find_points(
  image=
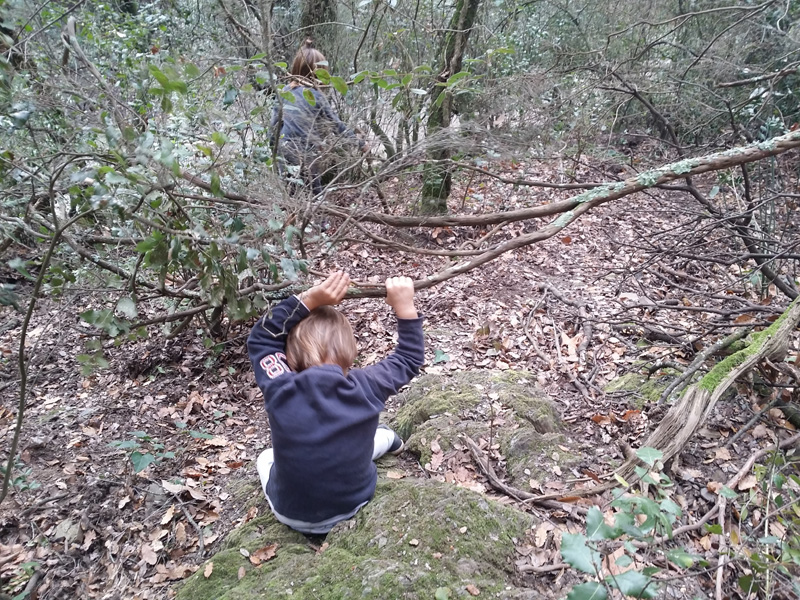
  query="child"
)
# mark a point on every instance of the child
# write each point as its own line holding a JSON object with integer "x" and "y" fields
{"x": 323, "y": 415}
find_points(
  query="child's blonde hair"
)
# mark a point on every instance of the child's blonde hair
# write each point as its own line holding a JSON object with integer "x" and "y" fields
{"x": 323, "y": 337}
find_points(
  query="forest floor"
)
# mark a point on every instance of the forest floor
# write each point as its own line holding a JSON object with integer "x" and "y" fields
{"x": 81, "y": 524}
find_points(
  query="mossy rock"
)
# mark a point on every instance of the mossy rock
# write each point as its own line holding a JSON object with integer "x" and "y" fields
{"x": 414, "y": 537}
{"x": 645, "y": 389}
{"x": 504, "y": 407}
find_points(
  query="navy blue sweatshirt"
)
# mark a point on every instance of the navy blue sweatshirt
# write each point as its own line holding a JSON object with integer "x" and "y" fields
{"x": 306, "y": 126}
{"x": 322, "y": 421}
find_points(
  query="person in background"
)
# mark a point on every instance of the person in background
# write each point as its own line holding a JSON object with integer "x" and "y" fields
{"x": 307, "y": 132}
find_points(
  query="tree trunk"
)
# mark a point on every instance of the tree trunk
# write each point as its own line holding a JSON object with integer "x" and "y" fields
{"x": 437, "y": 177}
{"x": 317, "y": 21}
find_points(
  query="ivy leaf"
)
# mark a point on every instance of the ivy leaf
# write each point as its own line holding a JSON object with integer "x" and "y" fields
{"x": 440, "y": 356}
{"x": 19, "y": 264}
{"x": 230, "y": 96}
{"x": 442, "y": 593}
{"x": 715, "y": 528}
{"x": 633, "y": 583}
{"x": 649, "y": 455}
{"x": 141, "y": 461}
{"x": 588, "y": 591}
{"x": 578, "y": 555}
{"x": 309, "y": 96}
{"x": 597, "y": 528}
{"x": 127, "y": 306}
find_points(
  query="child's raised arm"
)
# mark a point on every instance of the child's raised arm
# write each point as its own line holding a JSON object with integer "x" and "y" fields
{"x": 396, "y": 370}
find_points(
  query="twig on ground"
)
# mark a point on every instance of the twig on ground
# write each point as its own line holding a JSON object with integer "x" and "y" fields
{"x": 200, "y": 543}
{"x": 544, "y": 568}
{"x": 746, "y": 427}
{"x": 521, "y": 495}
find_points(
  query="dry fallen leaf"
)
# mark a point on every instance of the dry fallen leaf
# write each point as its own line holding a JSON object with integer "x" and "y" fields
{"x": 472, "y": 590}
{"x": 217, "y": 441}
{"x": 148, "y": 554}
{"x": 394, "y": 474}
{"x": 747, "y": 482}
{"x": 714, "y": 487}
{"x": 722, "y": 454}
{"x": 414, "y": 542}
{"x": 241, "y": 572}
{"x": 88, "y": 538}
{"x": 263, "y": 554}
{"x": 208, "y": 570}
{"x": 180, "y": 533}
{"x": 168, "y": 515}
{"x": 540, "y": 537}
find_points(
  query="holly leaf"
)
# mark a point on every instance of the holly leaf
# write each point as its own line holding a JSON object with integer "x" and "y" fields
{"x": 578, "y": 555}
{"x": 127, "y": 307}
{"x": 633, "y": 583}
{"x": 588, "y": 591}
{"x": 597, "y": 528}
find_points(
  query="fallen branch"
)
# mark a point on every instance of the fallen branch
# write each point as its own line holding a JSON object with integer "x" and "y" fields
{"x": 521, "y": 495}
{"x": 678, "y": 383}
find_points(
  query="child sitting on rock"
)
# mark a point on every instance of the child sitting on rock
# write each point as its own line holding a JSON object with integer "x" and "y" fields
{"x": 323, "y": 414}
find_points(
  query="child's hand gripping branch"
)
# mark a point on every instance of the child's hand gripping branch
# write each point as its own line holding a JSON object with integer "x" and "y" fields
{"x": 400, "y": 296}
{"x": 328, "y": 293}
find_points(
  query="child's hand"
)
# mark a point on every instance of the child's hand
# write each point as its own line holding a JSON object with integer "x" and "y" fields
{"x": 400, "y": 296}
{"x": 329, "y": 292}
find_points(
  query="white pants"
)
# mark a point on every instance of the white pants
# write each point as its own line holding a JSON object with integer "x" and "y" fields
{"x": 384, "y": 438}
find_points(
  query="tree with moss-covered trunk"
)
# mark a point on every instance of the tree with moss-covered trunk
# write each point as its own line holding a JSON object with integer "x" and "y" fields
{"x": 437, "y": 176}
{"x": 318, "y": 22}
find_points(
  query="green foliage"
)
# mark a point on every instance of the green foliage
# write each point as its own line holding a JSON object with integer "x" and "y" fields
{"x": 143, "y": 450}
{"x": 21, "y": 477}
{"x": 636, "y": 517}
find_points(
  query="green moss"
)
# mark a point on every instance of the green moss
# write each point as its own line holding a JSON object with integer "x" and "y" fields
{"x": 433, "y": 395}
{"x": 414, "y": 537}
{"x": 757, "y": 340}
{"x": 526, "y": 449}
{"x": 261, "y": 531}
{"x": 648, "y": 389}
